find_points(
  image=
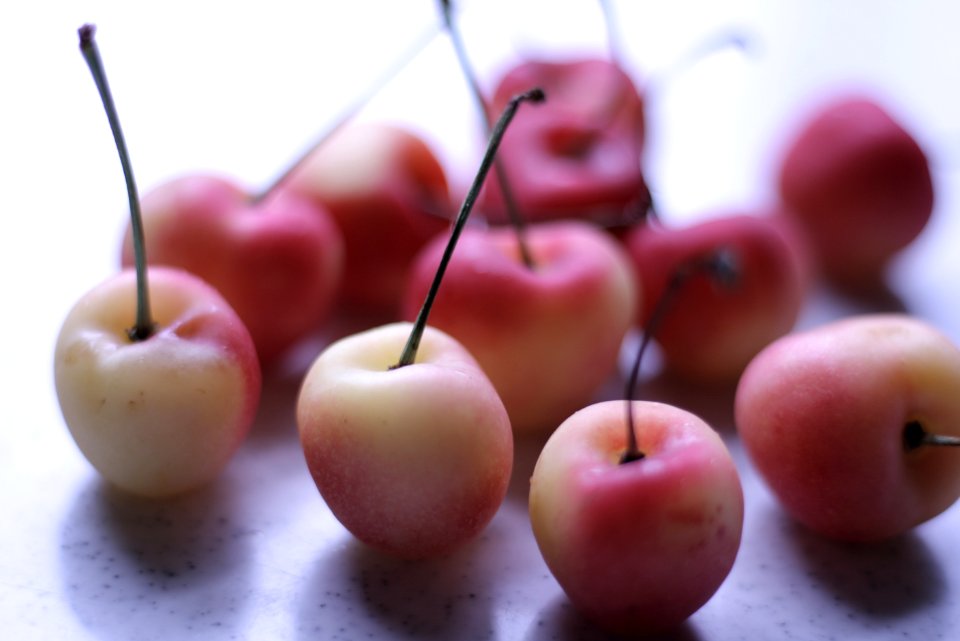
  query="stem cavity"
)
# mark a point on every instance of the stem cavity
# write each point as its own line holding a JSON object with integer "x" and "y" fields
{"x": 722, "y": 267}
{"x": 144, "y": 325}
{"x": 413, "y": 342}
{"x": 915, "y": 437}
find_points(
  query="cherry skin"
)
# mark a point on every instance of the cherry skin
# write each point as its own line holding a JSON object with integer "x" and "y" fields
{"x": 834, "y": 419}
{"x": 413, "y": 461}
{"x": 531, "y": 328}
{"x": 639, "y": 546}
{"x": 637, "y": 507}
{"x": 278, "y": 261}
{"x": 388, "y": 193}
{"x": 713, "y": 332}
{"x": 164, "y": 415}
{"x": 404, "y": 435}
{"x": 859, "y": 186}
{"x": 156, "y": 375}
{"x": 579, "y": 155}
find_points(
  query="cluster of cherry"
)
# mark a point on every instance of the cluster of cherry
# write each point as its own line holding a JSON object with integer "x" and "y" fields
{"x": 408, "y": 428}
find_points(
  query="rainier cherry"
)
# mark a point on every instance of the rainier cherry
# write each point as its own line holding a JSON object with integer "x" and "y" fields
{"x": 388, "y": 193}
{"x": 713, "y": 333}
{"x": 580, "y": 155}
{"x": 847, "y": 424}
{"x": 404, "y": 435}
{"x": 533, "y": 305}
{"x": 278, "y": 259}
{"x": 859, "y": 186}
{"x": 158, "y": 381}
{"x": 548, "y": 336}
{"x": 639, "y": 520}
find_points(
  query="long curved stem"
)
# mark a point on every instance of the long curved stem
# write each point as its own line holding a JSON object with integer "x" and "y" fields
{"x": 144, "y": 325}
{"x": 739, "y": 40}
{"x": 721, "y": 266}
{"x": 613, "y": 34}
{"x": 409, "y": 354}
{"x": 503, "y": 180}
{"x": 643, "y": 207}
{"x": 399, "y": 64}
{"x": 615, "y": 52}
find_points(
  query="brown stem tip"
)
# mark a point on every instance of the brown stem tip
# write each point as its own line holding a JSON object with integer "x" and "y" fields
{"x": 86, "y": 34}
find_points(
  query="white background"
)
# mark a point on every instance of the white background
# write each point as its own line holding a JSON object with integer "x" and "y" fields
{"x": 241, "y": 88}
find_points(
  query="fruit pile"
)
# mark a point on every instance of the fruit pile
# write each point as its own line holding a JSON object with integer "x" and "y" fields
{"x": 472, "y": 328}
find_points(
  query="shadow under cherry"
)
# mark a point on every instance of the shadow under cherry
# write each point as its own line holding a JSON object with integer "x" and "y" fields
{"x": 560, "y": 621}
{"x": 356, "y": 592}
{"x": 145, "y": 569}
{"x": 882, "y": 581}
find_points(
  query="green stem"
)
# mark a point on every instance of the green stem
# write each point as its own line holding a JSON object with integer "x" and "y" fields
{"x": 398, "y": 65}
{"x": 642, "y": 209}
{"x": 506, "y": 188}
{"x": 409, "y": 354}
{"x": 721, "y": 266}
{"x": 613, "y": 35}
{"x": 144, "y": 326}
{"x": 729, "y": 38}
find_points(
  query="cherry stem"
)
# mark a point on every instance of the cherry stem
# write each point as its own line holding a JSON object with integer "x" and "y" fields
{"x": 509, "y": 197}
{"x": 347, "y": 114}
{"x": 915, "y": 436}
{"x": 144, "y": 326}
{"x": 409, "y": 354}
{"x": 730, "y": 38}
{"x": 722, "y": 267}
{"x": 613, "y": 36}
{"x": 641, "y": 208}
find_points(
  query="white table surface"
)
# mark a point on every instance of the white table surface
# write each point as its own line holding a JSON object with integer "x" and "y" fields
{"x": 240, "y": 90}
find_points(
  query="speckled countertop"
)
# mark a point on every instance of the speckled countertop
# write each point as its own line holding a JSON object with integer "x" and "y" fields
{"x": 257, "y": 555}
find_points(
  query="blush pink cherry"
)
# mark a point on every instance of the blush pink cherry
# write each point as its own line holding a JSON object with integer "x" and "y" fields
{"x": 162, "y": 415}
{"x": 414, "y": 460}
{"x": 404, "y": 435}
{"x": 388, "y": 194}
{"x": 838, "y": 420}
{"x": 156, "y": 375}
{"x": 530, "y": 304}
{"x": 548, "y": 336}
{"x": 712, "y": 333}
{"x": 578, "y": 156}
{"x": 859, "y": 185}
{"x": 637, "y": 546}
{"x": 637, "y": 506}
{"x": 585, "y": 87}
{"x": 278, "y": 261}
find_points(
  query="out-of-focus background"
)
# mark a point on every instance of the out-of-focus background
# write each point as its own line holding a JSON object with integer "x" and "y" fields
{"x": 242, "y": 89}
